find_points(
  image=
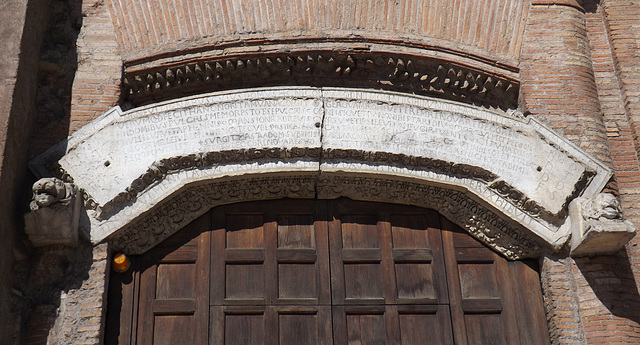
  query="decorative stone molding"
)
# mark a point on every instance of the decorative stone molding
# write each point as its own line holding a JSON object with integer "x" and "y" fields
{"x": 506, "y": 237}
{"x": 55, "y": 213}
{"x": 400, "y": 72}
{"x": 159, "y": 170}
{"x": 193, "y": 201}
{"x": 508, "y": 165}
{"x": 597, "y": 226}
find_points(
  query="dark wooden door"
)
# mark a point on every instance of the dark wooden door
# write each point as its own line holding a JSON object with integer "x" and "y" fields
{"x": 388, "y": 275}
{"x": 270, "y": 275}
{"x": 318, "y": 272}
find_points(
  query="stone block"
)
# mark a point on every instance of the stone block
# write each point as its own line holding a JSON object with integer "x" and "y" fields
{"x": 55, "y": 214}
{"x": 597, "y": 227}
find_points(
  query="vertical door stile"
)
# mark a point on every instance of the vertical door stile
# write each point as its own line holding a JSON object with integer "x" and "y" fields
{"x": 455, "y": 297}
{"x": 438, "y": 264}
{"x": 389, "y": 276}
{"x": 216, "y": 284}
{"x": 509, "y": 315}
{"x": 203, "y": 269}
{"x": 321, "y": 226}
{"x": 339, "y": 322}
{"x": 270, "y": 245}
{"x": 145, "y": 314}
{"x": 137, "y": 276}
{"x": 321, "y": 229}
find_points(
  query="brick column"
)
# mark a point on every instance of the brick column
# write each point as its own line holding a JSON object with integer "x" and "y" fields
{"x": 559, "y": 87}
{"x": 621, "y": 25}
{"x": 558, "y": 84}
{"x": 560, "y": 301}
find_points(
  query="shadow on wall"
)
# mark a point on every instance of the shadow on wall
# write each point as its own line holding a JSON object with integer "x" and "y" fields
{"x": 612, "y": 281}
{"x": 56, "y": 71}
{"x": 590, "y": 6}
{"x": 47, "y": 272}
{"x": 55, "y": 270}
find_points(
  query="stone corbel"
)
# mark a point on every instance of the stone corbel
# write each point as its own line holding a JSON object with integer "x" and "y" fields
{"x": 55, "y": 213}
{"x": 597, "y": 226}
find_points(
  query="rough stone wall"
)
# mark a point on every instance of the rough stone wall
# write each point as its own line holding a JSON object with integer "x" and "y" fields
{"x": 21, "y": 30}
{"x": 95, "y": 66}
{"x": 82, "y": 303}
{"x": 66, "y": 294}
{"x": 80, "y": 71}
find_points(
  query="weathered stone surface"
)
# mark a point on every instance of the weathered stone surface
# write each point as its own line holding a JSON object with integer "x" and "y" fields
{"x": 510, "y": 164}
{"x": 522, "y": 153}
{"x": 55, "y": 213}
{"x": 597, "y": 226}
{"x": 137, "y": 139}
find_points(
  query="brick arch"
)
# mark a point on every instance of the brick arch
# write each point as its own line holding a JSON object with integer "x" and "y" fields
{"x": 491, "y": 27}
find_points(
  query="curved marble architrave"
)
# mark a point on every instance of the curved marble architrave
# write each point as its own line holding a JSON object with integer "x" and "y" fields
{"x": 296, "y": 142}
{"x": 480, "y": 220}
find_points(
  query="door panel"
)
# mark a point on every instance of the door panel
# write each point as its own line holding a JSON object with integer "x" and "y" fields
{"x": 274, "y": 261}
{"x": 388, "y": 256}
{"x": 481, "y": 290}
{"x": 325, "y": 272}
{"x": 173, "y": 289}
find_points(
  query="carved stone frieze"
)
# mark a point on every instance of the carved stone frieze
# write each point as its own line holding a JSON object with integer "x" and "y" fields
{"x": 400, "y": 72}
{"x": 159, "y": 170}
{"x": 504, "y": 236}
{"x": 408, "y": 161}
{"x": 506, "y": 163}
{"x": 173, "y": 214}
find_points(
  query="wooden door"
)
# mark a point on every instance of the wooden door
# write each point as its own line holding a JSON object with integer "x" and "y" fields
{"x": 270, "y": 269}
{"x": 324, "y": 272}
{"x": 389, "y": 284}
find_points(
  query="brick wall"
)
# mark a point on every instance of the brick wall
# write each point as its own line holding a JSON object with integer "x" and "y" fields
{"x": 558, "y": 84}
{"x": 63, "y": 297}
{"x": 95, "y": 68}
{"x": 568, "y": 80}
{"x": 82, "y": 304}
{"x": 622, "y": 25}
{"x": 492, "y": 27}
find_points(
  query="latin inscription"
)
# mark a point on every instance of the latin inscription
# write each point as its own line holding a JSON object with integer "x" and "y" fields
{"x": 517, "y": 155}
{"x": 124, "y": 146}
{"x": 222, "y": 126}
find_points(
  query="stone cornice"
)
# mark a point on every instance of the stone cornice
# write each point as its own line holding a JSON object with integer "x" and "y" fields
{"x": 391, "y": 71}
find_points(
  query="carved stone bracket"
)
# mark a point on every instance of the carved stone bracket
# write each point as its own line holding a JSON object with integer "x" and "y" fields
{"x": 597, "y": 226}
{"x": 55, "y": 213}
